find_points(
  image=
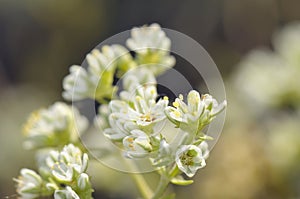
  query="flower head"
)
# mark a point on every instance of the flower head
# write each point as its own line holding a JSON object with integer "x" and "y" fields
{"x": 198, "y": 112}
{"x": 67, "y": 164}
{"x": 55, "y": 126}
{"x": 152, "y": 47}
{"x": 29, "y": 184}
{"x": 96, "y": 81}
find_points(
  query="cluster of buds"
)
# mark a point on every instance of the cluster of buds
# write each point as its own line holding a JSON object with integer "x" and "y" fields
{"x": 61, "y": 174}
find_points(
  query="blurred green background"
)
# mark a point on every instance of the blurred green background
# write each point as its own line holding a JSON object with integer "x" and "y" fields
{"x": 258, "y": 154}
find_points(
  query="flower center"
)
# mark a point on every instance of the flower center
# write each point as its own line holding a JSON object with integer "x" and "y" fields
{"x": 147, "y": 117}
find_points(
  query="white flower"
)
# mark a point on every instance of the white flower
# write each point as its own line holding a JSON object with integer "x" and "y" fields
{"x": 137, "y": 144}
{"x": 62, "y": 172}
{"x": 152, "y": 47}
{"x": 120, "y": 127}
{"x": 29, "y": 184}
{"x": 189, "y": 159}
{"x": 198, "y": 112}
{"x": 65, "y": 164}
{"x": 73, "y": 156}
{"x": 55, "y": 126}
{"x": 287, "y": 43}
{"x": 144, "y": 115}
{"x": 96, "y": 81}
{"x": 67, "y": 193}
{"x": 265, "y": 79}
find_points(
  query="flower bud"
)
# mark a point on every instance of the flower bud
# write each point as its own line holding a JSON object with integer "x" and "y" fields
{"x": 83, "y": 181}
{"x": 67, "y": 193}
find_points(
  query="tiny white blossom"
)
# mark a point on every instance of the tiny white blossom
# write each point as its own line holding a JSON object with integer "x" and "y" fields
{"x": 189, "y": 159}
{"x": 67, "y": 193}
{"x": 152, "y": 47}
{"x": 29, "y": 184}
{"x": 83, "y": 181}
{"x": 137, "y": 144}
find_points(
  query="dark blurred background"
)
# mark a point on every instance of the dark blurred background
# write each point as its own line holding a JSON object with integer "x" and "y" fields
{"x": 39, "y": 40}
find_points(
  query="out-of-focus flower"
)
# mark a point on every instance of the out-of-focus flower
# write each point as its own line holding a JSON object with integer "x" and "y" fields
{"x": 270, "y": 79}
{"x": 96, "y": 82}
{"x": 284, "y": 142}
{"x": 287, "y": 43}
{"x": 29, "y": 184}
{"x": 67, "y": 193}
{"x": 56, "y": 126}
{"x": 196, "y": 114}
{"x": 189, "y": 159}
{"x": 265, "y": 79}
{"x": 152, "y": 47}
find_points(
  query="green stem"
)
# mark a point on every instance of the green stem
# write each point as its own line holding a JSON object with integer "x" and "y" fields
{"x": 162, "y": 186}
{"x": 142, "y": 185}
{"x": 164, "y": 182}
{"x": 140, "y": 181}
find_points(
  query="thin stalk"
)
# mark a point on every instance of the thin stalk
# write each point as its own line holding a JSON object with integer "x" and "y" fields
{"x": 140, "y": 182}
{"x": 164, "y": 181}
{"x": 162, "y": 186}
{"x": 138, "y": 179}
{"x": 142, "y": 186}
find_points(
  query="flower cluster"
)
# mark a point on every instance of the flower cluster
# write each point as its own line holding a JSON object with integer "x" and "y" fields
{"x": 61, "y": 174}
{"x": 136, "y": 118}
{"x": 54, "y": 126}
{"x": 151, "y": 46}
{"x": 196, "y": 114}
